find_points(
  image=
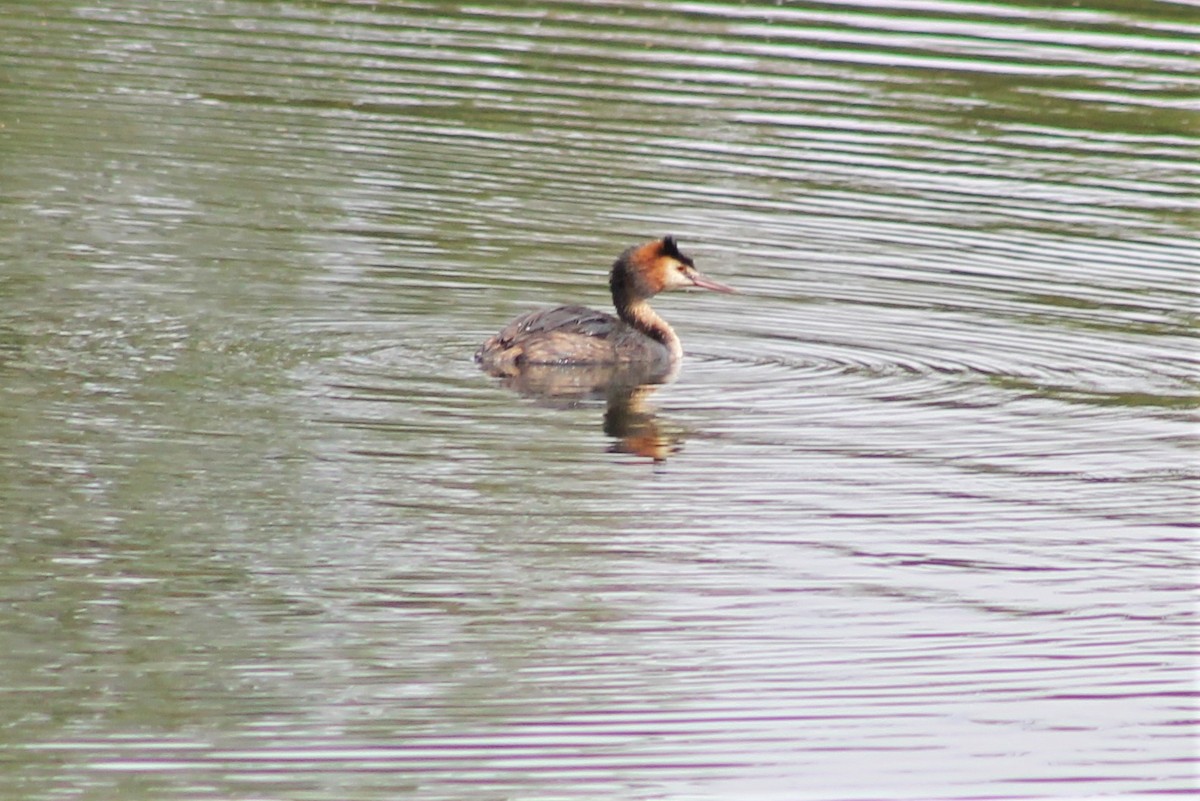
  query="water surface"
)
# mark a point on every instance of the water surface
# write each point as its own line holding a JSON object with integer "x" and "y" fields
{"x": 915, "y": 519}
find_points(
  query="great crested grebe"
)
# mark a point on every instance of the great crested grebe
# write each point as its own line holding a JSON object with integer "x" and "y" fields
{"x": 577, "y": 335}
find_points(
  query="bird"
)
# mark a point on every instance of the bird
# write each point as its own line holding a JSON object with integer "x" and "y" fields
{"x": 577, "y": 335}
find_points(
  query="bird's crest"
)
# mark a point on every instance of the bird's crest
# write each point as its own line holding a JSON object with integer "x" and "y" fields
{"x": 671, "y": 248}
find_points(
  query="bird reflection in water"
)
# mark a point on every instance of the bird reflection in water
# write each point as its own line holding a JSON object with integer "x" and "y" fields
{"x": 572, "y": 353}
{"x": 625, "y": 389}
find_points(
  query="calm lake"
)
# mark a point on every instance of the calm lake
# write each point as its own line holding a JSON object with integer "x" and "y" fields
{"x": 916, "y": 518}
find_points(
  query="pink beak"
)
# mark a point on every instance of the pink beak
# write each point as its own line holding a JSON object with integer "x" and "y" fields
{"x": 704, "y": 282}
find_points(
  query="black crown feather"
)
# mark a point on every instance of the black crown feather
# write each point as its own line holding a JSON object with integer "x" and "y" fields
{"x": 671, "y": 248}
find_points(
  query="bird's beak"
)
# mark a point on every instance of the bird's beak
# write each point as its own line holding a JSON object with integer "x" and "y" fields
{"x": 704, "y": 282}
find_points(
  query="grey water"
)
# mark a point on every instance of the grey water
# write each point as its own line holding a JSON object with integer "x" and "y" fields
{"x": 916, "y": 518}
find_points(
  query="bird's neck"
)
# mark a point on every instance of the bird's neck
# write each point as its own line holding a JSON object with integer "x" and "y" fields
{"x": 636, "y": 311}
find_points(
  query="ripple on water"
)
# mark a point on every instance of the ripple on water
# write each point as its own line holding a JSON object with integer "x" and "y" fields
{"x": 929, "y": 481}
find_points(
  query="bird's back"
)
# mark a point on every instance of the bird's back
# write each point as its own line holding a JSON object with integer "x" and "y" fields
{"x": 566, "y": 335}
